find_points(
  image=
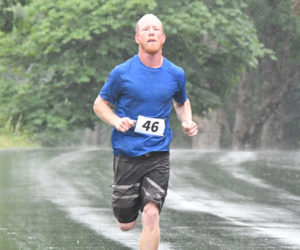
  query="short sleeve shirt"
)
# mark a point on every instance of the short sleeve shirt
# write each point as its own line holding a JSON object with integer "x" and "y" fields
{"x": 136, "y": 89}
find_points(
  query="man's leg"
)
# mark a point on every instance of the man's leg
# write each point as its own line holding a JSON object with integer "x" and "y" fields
{"x": 126, "y": 226}
{"x": 150, "y": 235}
{"x": 125, "y": 197}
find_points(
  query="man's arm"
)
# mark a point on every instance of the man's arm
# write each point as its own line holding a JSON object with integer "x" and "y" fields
{"x": 105, "y": 113}
{"x": 184, "y": 114}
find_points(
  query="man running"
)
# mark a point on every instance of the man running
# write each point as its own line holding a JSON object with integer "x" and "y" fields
{"x": 144, "y": 89}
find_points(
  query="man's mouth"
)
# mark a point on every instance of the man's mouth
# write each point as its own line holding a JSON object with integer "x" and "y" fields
{"x": 151, "y": 41}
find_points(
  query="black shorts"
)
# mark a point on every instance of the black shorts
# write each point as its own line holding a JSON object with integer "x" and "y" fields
{"x": 137, "y": 181}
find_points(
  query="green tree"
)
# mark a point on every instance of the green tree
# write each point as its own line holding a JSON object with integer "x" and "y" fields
{"x": 61, "y": 50}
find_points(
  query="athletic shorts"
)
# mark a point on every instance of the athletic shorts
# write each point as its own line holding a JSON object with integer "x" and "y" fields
{"x": 137, "y": 181}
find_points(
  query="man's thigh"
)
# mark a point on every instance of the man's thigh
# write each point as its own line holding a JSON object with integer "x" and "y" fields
{"x": 155, "y": 183}
{"x": 126, "y": 188}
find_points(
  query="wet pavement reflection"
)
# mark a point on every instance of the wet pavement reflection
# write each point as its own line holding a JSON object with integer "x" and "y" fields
{"x": 60, "y": 199}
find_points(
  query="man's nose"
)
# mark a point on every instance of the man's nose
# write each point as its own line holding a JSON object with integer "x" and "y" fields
{"x": 151, "y": 30}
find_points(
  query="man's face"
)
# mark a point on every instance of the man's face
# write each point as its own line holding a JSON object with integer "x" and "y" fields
{"x": 150, "y": 35}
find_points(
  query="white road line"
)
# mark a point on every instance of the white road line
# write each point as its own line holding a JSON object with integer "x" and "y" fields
{"x": 259, "y": 218}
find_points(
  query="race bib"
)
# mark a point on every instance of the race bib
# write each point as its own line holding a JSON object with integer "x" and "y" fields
{"x": 151, "y": 126}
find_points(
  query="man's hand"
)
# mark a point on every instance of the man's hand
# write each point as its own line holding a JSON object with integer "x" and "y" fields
{"x": 124, "y": 124}
{"x": 190, "y": 128}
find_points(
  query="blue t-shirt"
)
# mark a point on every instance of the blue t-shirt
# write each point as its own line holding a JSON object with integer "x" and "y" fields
{"x": 140, "y": 90}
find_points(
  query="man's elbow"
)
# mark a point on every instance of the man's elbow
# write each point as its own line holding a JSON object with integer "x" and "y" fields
{"x": 97, "y": 105}
{"x": 100, "y": 106}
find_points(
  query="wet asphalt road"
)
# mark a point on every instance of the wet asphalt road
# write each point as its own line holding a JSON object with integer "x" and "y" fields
{"x": 60, "y": 199}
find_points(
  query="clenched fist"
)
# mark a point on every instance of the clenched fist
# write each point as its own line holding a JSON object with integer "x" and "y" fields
{"x": 190, "y": 128}
{"x": 124, "y": 124}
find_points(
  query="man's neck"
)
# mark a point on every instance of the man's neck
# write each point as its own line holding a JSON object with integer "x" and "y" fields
{"x": 151, "y": 60}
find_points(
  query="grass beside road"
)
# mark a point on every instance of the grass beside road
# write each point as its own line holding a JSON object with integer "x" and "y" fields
{"x": 10, "y": 139}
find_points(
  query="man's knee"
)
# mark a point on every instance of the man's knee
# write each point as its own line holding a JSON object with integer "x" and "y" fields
{"x": 150, "y": 215}
{"x": 126, "y": 226}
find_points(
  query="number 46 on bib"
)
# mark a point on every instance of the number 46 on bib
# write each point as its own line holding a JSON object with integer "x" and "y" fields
{"x": 151, "y": 126}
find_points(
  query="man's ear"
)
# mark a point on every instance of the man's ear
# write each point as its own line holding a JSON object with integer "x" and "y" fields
{"x": 164, "y": 38}
{"x": 137, "y": 38}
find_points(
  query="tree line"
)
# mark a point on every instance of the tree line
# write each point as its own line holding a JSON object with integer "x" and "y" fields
{"x": 240, "y": 59}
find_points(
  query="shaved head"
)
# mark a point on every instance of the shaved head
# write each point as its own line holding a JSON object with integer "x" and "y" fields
{"x": 148, "y": 17}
